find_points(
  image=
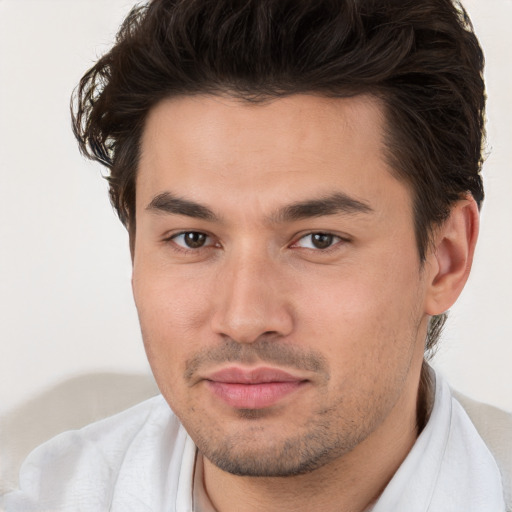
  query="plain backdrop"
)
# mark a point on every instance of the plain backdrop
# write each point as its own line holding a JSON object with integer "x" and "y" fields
{"x": 65, "y": 298}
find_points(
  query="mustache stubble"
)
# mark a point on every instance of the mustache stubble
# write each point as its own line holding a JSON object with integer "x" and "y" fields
{"x": 261, "y": 351}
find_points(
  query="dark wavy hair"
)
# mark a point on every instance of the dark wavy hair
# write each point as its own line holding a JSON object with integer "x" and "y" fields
{"x": 421, "y": 59}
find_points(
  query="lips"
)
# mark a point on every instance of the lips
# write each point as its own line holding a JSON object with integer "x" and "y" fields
{"x": 252, "y": 389}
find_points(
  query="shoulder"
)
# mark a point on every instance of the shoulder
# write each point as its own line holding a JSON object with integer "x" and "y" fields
{"x": 88, "y": 463}
{"x": 107, "y": 436}
{"x": 494, "y": 426}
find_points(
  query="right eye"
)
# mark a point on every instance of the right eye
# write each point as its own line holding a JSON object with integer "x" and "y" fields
{"x": 192, "y": 240}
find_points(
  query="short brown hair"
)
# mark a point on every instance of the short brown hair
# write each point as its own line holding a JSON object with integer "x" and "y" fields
{"x": 421, "y": 59}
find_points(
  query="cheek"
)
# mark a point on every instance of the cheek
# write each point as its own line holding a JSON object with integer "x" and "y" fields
{"x": 169, "y": 300}
{"x": 172, "y": 316}
{"x": 363, "y": 317}
{"x": 369, "y": 337}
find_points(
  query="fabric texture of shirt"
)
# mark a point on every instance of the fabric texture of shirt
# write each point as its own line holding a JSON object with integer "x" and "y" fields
{"x": 143, "y": 460}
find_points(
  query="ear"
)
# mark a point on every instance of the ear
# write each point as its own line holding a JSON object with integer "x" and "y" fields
{"x": 449, "y": 261}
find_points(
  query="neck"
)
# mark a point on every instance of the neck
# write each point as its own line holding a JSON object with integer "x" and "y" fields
{"x": 348, "y": 484}
{"x": 425, "y": 396}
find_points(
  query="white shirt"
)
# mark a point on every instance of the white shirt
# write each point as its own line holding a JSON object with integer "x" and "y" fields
{"x": 143, "y": 460}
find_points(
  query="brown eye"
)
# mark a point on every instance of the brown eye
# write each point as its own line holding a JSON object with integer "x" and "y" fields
{"x": 321, "y": 240}
{"x": 191, "y": 240}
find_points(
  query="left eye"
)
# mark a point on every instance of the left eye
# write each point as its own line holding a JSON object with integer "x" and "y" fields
{"x": 191, "y": 240}
{"x": 317, "y": 241}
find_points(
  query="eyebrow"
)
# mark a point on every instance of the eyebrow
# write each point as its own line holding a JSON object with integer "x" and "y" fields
{"x": 328, "y": 205}
{"x": 168, "y": 203}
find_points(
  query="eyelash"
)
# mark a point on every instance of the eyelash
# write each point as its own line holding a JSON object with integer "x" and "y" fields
{"x": 182, "y": 248}
{"x": 335, "y": 242}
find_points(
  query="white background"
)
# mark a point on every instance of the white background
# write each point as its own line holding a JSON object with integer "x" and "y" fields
{"x": 65, "y": 299}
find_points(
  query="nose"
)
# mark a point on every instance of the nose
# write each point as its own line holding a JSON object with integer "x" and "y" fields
{"x": 252, "y": 300}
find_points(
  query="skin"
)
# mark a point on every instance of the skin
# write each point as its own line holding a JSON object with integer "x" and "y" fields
{"x": 344, "y": 313}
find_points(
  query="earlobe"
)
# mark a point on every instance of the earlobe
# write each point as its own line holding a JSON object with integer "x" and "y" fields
{"x": 450, "y": 260}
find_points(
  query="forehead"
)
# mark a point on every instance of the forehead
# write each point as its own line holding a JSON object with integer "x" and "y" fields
{"x": 205, "y": 147}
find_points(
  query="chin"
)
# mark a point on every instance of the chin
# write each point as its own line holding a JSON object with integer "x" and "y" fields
{"x": 258, "y": 454}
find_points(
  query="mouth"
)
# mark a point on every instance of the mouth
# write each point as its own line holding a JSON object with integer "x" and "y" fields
{"x": 256, "y": 388}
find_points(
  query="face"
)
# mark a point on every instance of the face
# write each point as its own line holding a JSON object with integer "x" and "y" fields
{"x": 276, "y": 277}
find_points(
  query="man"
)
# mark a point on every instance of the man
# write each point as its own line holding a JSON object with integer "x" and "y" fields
{"x": 300, "y": 181}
